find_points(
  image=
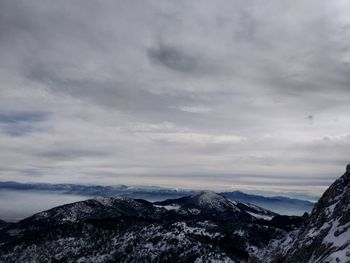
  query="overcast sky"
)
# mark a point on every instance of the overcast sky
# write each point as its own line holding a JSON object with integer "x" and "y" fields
{"x": 192, "y": 94}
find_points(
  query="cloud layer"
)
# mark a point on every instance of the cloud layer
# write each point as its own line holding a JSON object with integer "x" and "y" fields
{"x": 203, "y": 94}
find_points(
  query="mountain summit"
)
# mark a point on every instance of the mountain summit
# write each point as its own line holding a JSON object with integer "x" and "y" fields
{"x": 213, "y": 205}
{"x": 206, "y": 200}
{"x": 211, "y": 200}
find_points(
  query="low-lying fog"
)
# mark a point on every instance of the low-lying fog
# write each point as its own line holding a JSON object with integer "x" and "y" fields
{"x": 16, "y": 205}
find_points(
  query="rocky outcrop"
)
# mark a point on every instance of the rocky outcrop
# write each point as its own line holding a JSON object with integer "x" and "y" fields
{"x": 325, "y": 234}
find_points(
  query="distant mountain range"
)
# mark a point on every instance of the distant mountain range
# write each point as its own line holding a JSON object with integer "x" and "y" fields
{"x": 202, "y": 227}
{"x": 278, "y": 204}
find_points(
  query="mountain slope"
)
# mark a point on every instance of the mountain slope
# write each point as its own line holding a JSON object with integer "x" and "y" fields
{"x": 2, "y": 223}
{"x": 99, "y": 208}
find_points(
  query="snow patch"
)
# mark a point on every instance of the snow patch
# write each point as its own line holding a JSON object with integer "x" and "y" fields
{"x": 260, "y": 216}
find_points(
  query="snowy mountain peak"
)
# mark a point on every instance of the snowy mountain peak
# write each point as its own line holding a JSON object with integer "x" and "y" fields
{"x": 109, "y": 201}
{"x": 213, "y": 201}
{"x": 208, "y": 197}
{"x": 206, "y": 193}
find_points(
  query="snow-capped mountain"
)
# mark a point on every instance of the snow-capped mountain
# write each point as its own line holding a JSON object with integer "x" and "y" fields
{"x": 94, "y": 209}
{"x": 210, "y": 204}
{"x": 203, "y": 227}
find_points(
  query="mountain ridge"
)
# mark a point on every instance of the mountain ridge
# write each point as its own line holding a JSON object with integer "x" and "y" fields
{"x": 276, "y": 204}
{"x": 205, "y": 221}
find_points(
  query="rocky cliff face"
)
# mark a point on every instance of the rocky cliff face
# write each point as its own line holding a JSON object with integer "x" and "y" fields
{"x": 325, "y": 234}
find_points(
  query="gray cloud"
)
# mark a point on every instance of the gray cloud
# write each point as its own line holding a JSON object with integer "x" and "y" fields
{"x": 22, "y": 123}
{"x": 175, "y": 93}
{"x": 16, "y": 117}
{"x": 178, "y": 59}
{"x": 175, "y": 59}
